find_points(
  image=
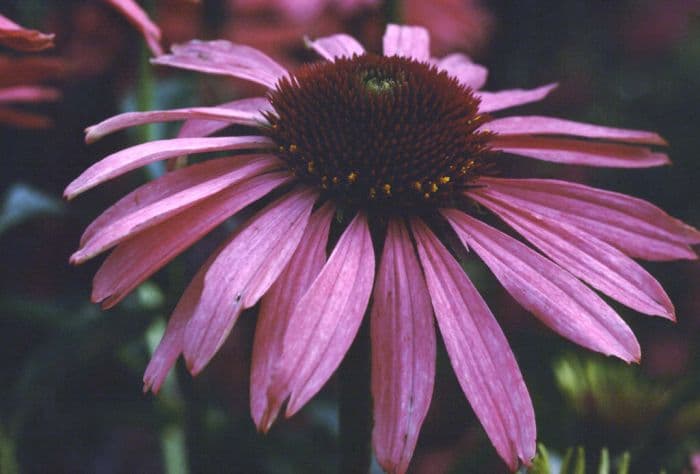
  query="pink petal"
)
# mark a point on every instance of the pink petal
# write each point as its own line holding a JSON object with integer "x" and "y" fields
{"x": 408, "y": 41}
{"x": 221, "y": 115}
{"x": 28, "y": 94}
{"x": 244, "y": 271}
{"x": 142, "y": 255}
{"x": 579, "y": 152}
{"x": 538, "y": 125}
{"x": 464, "y": 70}
{"x": 326, "y": 320}
{"x": 223, "y": 57}
{"x": 632, "y": 225}
{"x": 138, "y": 17}
{"x": 203, "y": 128}
{"x": 493, "y": 101}
{"x": 479, "y": 352}
{"x": 140, "y": 155}
{"x": 172, "y": 343}
{"x": 592, "y": 260}
{"x": 276, "y": 309}
{"x": 161, "y": 199}
{"x": 14, "y": 36}
{"x": 403, "y": 351}
{"x": 555, "y": 296}
{"x": 336, "y": 46}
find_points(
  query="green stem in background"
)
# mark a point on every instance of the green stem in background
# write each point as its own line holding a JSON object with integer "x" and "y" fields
{"x": 356, "y": 406}
{"x": 392, "y": 11}
{"x": 146, "y": 100}
{"x": 169, "y": 400}
{"x": 8, "y": 455}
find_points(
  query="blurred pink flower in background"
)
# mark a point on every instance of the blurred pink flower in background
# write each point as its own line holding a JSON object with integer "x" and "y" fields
{"x": 12, "y": 96}
{"x": 465, "y": 25}
{"x": 139, "y": 18}
{"x": 301, "y": 11}
{"x": 21, "y": 39}
{"x": 13, "y": 92}
{"x": 276, "y": 25}
{"x": 399, "y": 148}
{"x": 695, "y": 463}
{"x": 20, "y": 78}
{"x": 654, "y": 27}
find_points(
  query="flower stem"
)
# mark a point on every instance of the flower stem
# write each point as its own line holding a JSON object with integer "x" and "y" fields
{"x": 356, "y": 406}
{"x": 146, "y": 100}
{"x": 172, "y": 433}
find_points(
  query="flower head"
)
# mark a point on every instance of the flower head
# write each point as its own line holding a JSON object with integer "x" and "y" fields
{"x": 400, "y": 148}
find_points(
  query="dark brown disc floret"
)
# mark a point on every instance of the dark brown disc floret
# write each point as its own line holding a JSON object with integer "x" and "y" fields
{"x": 388, "y": 134}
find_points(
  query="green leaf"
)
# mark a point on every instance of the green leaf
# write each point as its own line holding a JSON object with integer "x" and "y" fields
{"x": 604, "y": 465}
{"x": 8, "y": 458}
{"x": 574, "y": 461}
{"x": 623, "y": 466}
{"x": 540, "y": 465}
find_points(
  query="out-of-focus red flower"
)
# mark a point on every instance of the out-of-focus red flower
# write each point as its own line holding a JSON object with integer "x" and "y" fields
{"x": 656, "y": 26}
{"x": 18, "y": 79}
{"x": 301, "y": 11}
{"x": 10, "y": 96}
{"x": 139, "y": 18}
{"x": 695, "y": 463}
{"x": 22, "y": 39}
{"x": 464, "y": 25}
{"x": 277, "y": 25}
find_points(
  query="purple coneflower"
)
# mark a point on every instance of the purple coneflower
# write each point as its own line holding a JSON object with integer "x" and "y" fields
{"x": 400, "y": 149}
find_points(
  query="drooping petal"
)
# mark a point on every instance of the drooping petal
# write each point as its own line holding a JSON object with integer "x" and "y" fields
{"x": 552, "y": 294}
{"x": 140, "y": 155}
{"x": 592, "y": 260}
{"x": 22, "y": 39}
{"x": 480, "y": 355}
{"x": 28, "y": 94}
{"x": 636, "y": 227}
{"x": 493, "y": 101}
{"x": 172, "y": 343}
{"x": 244, "y": 270}
{"x": 325, "y": 320}
{"x": 161, "y": 199}
{"x": 579, "y": 152}
{"x": 464, "y": 70}
{"x": 403, "y": 351}
{"x": 336, "y": 46}
{"x": 408, "y": 41}
{"x": 138, "y": 17}
{"x": 538, "y": 125}
{"x": 225, "y": 58}
{"x": 276, "y": 309}
{"x": 202, "y": 128}
{"x": 221, "y": 115}
{"x": 142, "y": 255}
